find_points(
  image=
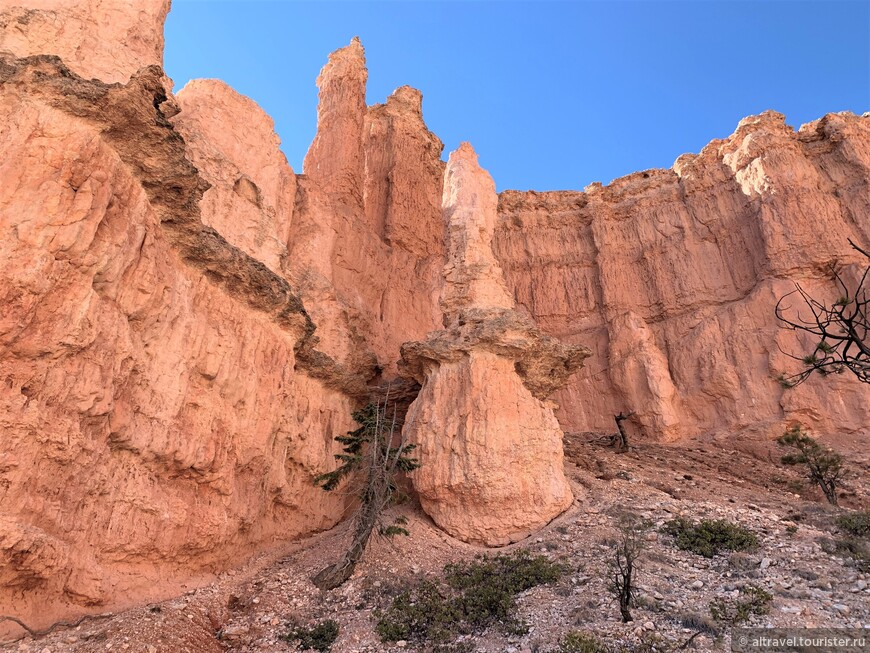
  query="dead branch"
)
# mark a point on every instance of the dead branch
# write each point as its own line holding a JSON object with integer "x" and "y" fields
{"x": 36, "y": 633}
{"x": 842, "y": 330}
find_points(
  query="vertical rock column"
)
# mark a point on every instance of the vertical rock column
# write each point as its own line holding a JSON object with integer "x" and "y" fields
{"x": 490, "y": 446}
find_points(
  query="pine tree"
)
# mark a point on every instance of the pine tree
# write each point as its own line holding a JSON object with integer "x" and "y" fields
{"x": 372, "y": 456}
{"x": 824, "y": 466}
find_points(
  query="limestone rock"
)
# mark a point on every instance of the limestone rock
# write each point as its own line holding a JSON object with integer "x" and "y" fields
{"x": 472, "y": 277}
{"x": 639, "y": 369}
{"x": 104, "y": 39}
{"x": 671, "y": 277}
{"x": 187, "y": 324}
{"x": 490, "y": 447}
{"x": 491, "y": 453}
{"x": 253, "y": 189}
{"x": 336, "y": 159}
{"x": 154, "y": 424}
{"x": 369, "y": 223}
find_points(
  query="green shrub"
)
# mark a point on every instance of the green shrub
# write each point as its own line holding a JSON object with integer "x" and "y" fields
{"x": 733, "y": 611}
{"x": 425, "y": 612}
{"x": 709, "y": 537}
{"x": 474, "y": 596}
{"x": 580, "y": 642}
{"x": 319, "y": 637}
{"x": 824, "y": 466}
{"x": 515, "y": 573}
{"x": 856, "y": 524}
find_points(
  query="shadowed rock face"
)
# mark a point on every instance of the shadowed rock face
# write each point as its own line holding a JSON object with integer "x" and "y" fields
{"x": 490, "y": 448}
{"x": 187, "y": 323}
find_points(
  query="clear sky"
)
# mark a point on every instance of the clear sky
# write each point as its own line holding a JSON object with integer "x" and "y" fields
{"x": 553, "y": 95}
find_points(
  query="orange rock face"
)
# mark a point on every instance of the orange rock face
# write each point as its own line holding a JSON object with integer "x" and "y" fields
{"x": 490, "y": 450}
{"x": 187, "y": 323}
{"x": 107, "y": 40}
{"x": 671, "y": 276}
{"x": 154, "y": 427}
{"x": 253, "y": 189}
{"x": 371, "y": 199}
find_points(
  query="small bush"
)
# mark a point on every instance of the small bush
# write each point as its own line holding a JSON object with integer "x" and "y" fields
{"x": 475, "y": 595}
{"x": 824, "y": 466}
{"x": 623, "y": 565}
{"x": 580, "y": 642}
{"x": 709, "y": 537}
{"x": 754, "y": 601}
{"x": 857, "y": 549}
{"x": 425, "y": 612}
{"x": 319, "y": 637}
{"x": 699, "y": 623}
{"x": 856, "y": 524}
{"x": 514, "y": 573}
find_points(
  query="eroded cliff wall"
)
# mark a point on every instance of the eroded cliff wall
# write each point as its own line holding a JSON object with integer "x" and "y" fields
{"x": 188, "y": 323}
{"x": 671, "y": 277}
{"x": 167, "y": 395}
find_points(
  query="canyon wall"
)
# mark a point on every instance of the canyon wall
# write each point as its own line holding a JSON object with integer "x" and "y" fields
{"x": 188, "y": 323}
{"x": 671, "y": 277}
{"x": 154, "y": 424}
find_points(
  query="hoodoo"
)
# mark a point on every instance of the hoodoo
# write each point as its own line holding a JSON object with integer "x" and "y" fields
{"x": 491, "y": 445}
{"x": 187, "y": 323}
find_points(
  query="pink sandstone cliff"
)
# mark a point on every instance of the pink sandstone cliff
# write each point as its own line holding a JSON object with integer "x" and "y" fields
{"x": 154, "y": 425}
{"x": 670, "y": 276}
{"x": 188, "y": 323}
{"x": 107, "y": 40}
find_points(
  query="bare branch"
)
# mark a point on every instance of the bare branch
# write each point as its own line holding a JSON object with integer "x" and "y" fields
{"x": 842, "y": 329}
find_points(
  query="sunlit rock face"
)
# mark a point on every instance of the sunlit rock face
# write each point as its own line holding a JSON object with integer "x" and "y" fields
{"x": 107, "y": 40}
{"x": 187, "y": 322}
{"x": 252, "y": 187}
{"x": 155, "y": 424}
{"x": 671, "y": 278}
{"x": 372, "y": 182}
{"x": 490, "y": 447}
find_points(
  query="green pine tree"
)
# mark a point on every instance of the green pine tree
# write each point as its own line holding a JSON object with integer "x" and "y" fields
{"x": 372, "y": 456}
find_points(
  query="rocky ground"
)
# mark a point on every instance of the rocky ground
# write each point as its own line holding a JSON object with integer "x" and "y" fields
{"x": 248, "y": 610}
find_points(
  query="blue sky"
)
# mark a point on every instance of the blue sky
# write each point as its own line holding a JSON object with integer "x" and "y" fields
{"x": 553, "y": 95}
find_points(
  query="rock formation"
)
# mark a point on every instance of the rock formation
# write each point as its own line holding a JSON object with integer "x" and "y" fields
{"x": 153, "y": 424}
{"x": 252, "y": 187}
{"x": 107, "y": 40}
{"x": 188, "y": 323}
{"x": 490, "y": 447}
{"x": 670, "y": 276}
{"x": 370, "y": 202}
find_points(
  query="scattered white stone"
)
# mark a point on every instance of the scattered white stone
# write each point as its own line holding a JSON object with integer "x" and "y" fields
{"x": 236, "y": 631}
